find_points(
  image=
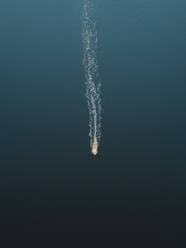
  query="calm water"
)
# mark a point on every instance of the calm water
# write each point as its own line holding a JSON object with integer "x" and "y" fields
{"x": 49, "y": 179}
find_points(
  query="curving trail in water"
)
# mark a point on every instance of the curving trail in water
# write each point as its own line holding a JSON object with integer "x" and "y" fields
{"x": 92, "y": 81}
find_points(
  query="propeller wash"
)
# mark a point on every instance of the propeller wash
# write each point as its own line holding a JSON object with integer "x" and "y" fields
{"x": 92, "y": 80}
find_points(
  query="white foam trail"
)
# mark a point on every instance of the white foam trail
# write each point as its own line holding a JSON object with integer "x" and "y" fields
{"x": 91, "y": 72}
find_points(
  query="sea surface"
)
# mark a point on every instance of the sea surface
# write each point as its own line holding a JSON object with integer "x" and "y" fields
{"x": 49, "y": 179}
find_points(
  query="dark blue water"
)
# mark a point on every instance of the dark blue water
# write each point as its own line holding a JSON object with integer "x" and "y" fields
{"x": 49, "y": 180}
